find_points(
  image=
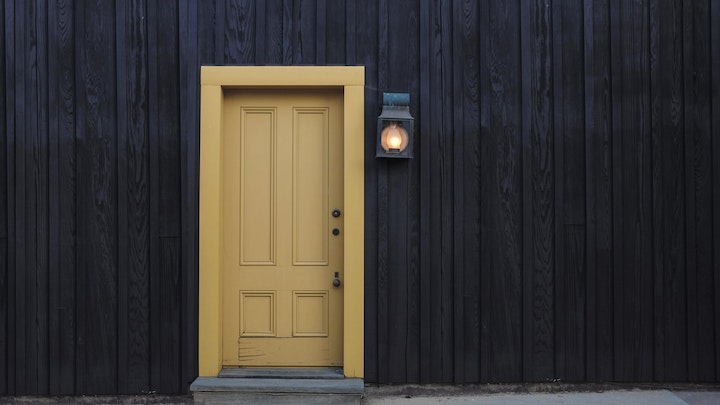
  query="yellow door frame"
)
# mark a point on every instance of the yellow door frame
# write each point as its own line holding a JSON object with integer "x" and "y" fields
{"x": 212, "y": 81}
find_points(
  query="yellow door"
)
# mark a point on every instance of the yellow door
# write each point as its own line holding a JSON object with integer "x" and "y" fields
{"x": 282, "y": 240}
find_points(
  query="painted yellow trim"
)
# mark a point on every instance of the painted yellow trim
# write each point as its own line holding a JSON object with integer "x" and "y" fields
{"x": 279, "y": 76}
{"x": 213, "y": 79}
{"x": 354, "y": 253}
{"x": 209, "y": 337}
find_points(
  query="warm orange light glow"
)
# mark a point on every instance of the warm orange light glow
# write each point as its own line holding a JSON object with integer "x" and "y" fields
{"x": 394, "y": 138}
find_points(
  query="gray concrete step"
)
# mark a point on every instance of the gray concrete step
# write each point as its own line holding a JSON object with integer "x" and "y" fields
{"x": 225, "y": 390}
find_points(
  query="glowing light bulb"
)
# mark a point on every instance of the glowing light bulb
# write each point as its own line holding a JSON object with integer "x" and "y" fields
{"x": 394, "y": 138}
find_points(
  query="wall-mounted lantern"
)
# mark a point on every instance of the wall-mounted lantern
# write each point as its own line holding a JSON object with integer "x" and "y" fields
{"x": 395, "y": 127}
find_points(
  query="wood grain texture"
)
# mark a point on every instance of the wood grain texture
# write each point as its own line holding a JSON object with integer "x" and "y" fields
{"x": 424, "y": 145}
{"x": 668, "y": 189}
{"x": 502, "y": 82}
{"x": 239, "y": 34}
{"x": 62, "y": 248}
{"x": 133, "y": 198}
{"x": 538, "y": 195}
{"x": 698, "y": 121}
{"x": 97, "y": 199}
{"x": 3, "y": 315}
{"x": 470, "y": 220}
{"x": 20, "y": 77}
{"x": 165, "y": 208}
{"x": 9, "y": 135}
{"x": 599, "y": 151}
{"x": 570, "y": 188}
{"x": 637, "y": 291}
{"x": 4, "y": 268}
{"x": 189, "y": 123}
{"x": 715, "y": 103}
{"x": 385, "y": 267}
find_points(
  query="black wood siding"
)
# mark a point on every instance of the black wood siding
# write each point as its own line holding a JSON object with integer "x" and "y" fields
{"x": 561, "y": 218}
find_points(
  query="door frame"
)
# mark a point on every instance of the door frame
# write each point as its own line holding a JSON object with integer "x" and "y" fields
{"x": 213, "y": 79}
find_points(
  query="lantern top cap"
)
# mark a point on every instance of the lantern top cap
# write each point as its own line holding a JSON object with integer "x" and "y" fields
{"x": 396, "y": 99}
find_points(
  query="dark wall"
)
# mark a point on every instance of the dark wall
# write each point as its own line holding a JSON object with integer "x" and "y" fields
{"x": 561, "y": 218}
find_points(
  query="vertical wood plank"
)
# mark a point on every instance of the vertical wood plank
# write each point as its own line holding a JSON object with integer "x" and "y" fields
{"x": 153, "y": 59}
{"x": 425, "y": 148}
{"x": 591, "y": 155}
{"x": 3, "y": 312}
{"x": 170, "y": 317}
{"x": 526, "y": 30}
{"x": 635, "y": 281}
{"x": 188, "y": 95}
{"x": 504, "y": 119}
{"x": 487, "y": 192}
{"x": 40, "y": 195}
{"x": 572, "y": 126}
{"x": 289, "y": 32}
{"x": 166, "y": 223}
{"x": 445, "y": 166}
{"x": 219, "y": 39}
{"x": 31, "y": 199}
{"x": 668, "y": 191}
{"x": 690, "y": 192}
{"x": 385, "y": 364}
{"x": 133, "y": 198}
{"x": 601, "y": 191}
{"x": 62, "y": 193}
{"x": 365, "y": 20}
{"x": 239, "y": 34}
{"x": 9, "y": 34}
{"x": 274, "y": 20}
{"x": 321, "y": 31}
{"x": 715, "y": 113}
{"x": 307, "y": 24}
{"x": 471, "y": 195}
{"x": 97, "y": 199}
{"x": 538, "y": 200}
{"x": 260, "y": 19}
{"x": 454, "y": 37}
{"x": 351, "y": 31}
{"x": 204, "y": 34}
{"x": 457, "y": 28}
{"x": 559, "y": 104}
{"x": 18, "y": 158}
{"x": 124, "y": 23}
{"x": 5, "y": 192}
{"x": 67, "y": 190}
{"x": 411, "y": 80}
{"x": 337, "y": 32}
{"x": 699, "y": 127}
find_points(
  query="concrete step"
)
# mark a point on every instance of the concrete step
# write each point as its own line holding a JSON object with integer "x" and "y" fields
{"x": 225, "y": 390}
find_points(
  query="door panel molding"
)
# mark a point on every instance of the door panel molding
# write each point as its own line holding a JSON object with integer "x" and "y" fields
{"x": 213, "y": 80}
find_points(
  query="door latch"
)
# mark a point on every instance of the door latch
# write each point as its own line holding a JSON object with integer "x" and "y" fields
{"x": 336, "y": 281}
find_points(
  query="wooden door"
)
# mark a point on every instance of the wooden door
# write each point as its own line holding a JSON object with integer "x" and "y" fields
{"x": 281, "y": 244}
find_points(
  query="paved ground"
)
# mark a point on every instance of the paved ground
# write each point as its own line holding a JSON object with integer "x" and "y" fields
{"x": 605, "y": 398}
{"x": 453, "y": 395}
{"x": 543, "y": 394}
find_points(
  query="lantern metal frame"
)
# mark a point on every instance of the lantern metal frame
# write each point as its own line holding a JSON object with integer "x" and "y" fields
{"x": 395, "y": 121}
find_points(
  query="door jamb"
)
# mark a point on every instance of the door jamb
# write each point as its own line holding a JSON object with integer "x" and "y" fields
{"x": 351, "y": 79}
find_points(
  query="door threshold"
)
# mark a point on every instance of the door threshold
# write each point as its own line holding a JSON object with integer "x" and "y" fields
{"x": 283, "y": 372}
